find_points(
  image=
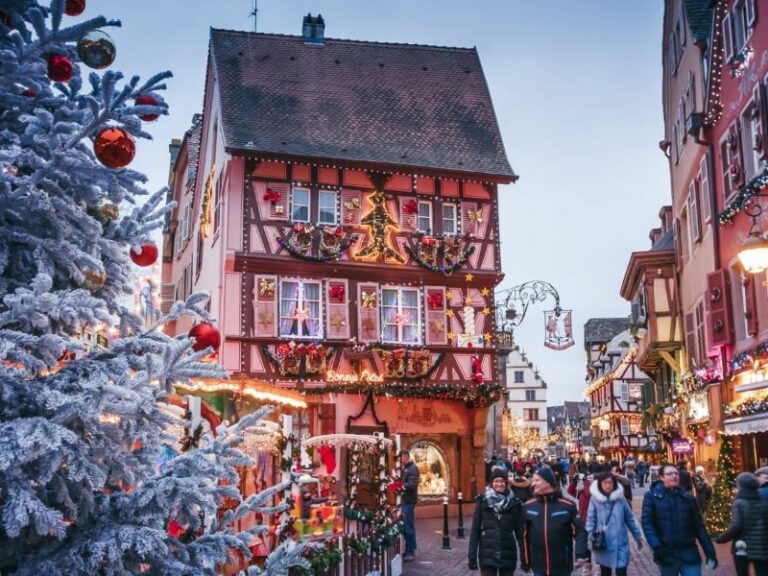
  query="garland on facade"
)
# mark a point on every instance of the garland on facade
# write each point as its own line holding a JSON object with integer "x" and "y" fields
{"x": 738, "y": 64}
{"x": 408, "y": 365}
{"x": 334, "y": 242}
{"x": 747, "y": 407}
{"x": 743, "y": 197}
{"x": 715, "y": 111}
{"x": 472, "y": 396}
{"x": 455, "y": 250}
{"x": 293, "y": 359}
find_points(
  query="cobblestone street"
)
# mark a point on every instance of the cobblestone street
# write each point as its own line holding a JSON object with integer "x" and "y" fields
{"x": 432, "y": 560}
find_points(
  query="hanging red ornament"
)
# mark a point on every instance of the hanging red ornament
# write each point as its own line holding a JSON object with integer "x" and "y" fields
{"x": 205, "y": 335}
{"x": 148, "y": 100}
{"x": 114, "y": 147}
{"x": 59, "y": 68}
{"x": 147, "y": 257}
{"x": 74, "y": 7}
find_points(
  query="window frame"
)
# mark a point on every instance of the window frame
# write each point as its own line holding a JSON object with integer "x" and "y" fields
{"x": 694, "y": 213}
{"x": 624, "y": 391}
{"x": 295, "y": 189}
{"x": 328, "y": 193}
{"x": 624, "y": 427}
{"x": 728, "y": 40}
{"x": 301, "y": 301}
{"x": 750, "y": 127}
{"x": 399, "y": 310}
{"x": 454, "y": 218}
{"x": 522, "y": 377}
{"x": 429, "y": 229}
{"x": 530, "y": 395}
{"x": 703, "y": 182}
{"x": 725, "y": 164}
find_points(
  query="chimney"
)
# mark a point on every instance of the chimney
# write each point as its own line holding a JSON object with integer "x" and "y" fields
{"x": 654, "y": 236}
{"x": 313, "y": 30}
{"x": 665, "y": 214}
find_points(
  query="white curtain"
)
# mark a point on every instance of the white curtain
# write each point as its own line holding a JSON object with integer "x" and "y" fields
{"x": 289, "y": 298}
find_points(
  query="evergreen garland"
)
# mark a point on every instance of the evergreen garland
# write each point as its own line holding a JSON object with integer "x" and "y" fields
{"x": 719, "y": 513}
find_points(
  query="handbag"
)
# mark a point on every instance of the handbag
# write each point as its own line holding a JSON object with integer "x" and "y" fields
{"x": 599, "y": 541}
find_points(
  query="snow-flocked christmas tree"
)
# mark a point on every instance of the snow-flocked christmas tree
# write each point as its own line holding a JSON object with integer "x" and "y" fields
{"x": 81, "y": 431}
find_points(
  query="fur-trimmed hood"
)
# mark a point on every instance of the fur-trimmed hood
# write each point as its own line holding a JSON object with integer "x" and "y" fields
{"x": 520, "y": 482}
{"x": 594, "y": 490}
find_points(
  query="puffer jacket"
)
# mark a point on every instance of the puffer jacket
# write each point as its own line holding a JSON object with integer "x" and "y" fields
{"x": 672, "y": 524}
{"x": 551, "y": 527}
{"x": 521, "y": 488}
{"x": 495, "y": 536}
{"x": 410, "y": 483}
{"x": 749, "y": 522}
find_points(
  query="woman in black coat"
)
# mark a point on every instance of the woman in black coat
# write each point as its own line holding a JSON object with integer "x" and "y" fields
{"x": 496, "y": 533}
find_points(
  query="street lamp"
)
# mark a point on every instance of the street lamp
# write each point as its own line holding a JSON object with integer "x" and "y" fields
{"x": 754, "y": 253}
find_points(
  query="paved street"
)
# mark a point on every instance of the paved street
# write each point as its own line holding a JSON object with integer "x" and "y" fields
{"x": 431, "y": 560}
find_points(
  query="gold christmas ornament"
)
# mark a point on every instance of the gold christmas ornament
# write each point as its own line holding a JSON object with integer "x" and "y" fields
{"x": 94, "y": 279}
{"x": 369, "y": 299}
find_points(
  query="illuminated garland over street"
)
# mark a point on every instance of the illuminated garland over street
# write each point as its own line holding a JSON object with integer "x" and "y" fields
{"x": 743, "y": 197}
{"x": 473, "y": 396}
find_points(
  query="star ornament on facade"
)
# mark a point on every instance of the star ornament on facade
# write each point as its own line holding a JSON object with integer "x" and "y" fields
{"x": 486, "y": 311}
{"x": 337, "y": 321}
{"x": 266, "y": 318}
{"x": 487, "y": 337}
{"x": 449, "y": 313}
{"x": 451, "y": 336}
{"x": 469, "y": 277}
{"x": 301, "y": 314}
{"x": 485, "y": 292}
{"x": 449, "y": 295}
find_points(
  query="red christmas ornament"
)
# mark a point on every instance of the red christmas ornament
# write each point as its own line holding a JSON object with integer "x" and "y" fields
{"x": 59, "y": 68}
{"x": 205, "y": 335}
{"x": 147, "y": 257}
{"x": 114, "y": 147}
{"x": 148, "y": 100}
{"x": 411, "y": 207}
{"x": 29, "y": 93}
{"x": 74, "y": 7}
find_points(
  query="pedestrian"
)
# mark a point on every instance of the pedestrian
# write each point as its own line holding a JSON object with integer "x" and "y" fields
{"x": 623, "y": 482}
{"x": 552, "y": 530}
{"x": 703, "y": 490}
{"x": 762, "y": 480}
{"x": 748, "y": 529}
{"x": 408, "y": 503}
{"x": 672, "y": 524}
{"x": 521, "y": 488}
{"x": 642, "y": 472}
{"x": 496, "y": 533}
{"x": 610, "y": 513}
{"x": 686, "y": 481}
{"x": 630, "y": 470}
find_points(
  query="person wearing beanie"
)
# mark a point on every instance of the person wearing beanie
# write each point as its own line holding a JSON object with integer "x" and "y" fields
{"x": 552, "y": 530}
{"x": 703, "y": 489}
{"x": 496, "y": 533}
{"x": 762, "y": 479}
{"x": 610, "y": 513}
{"x": 748, "y": 525}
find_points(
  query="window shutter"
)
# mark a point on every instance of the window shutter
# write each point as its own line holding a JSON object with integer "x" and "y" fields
{"x": 751, "y": 12}
{"x": 265, "y": 306}
{"x": 351, "y": 206}
{"x": 368, "y": 312}
{"x": 681, "y": 20}
{"x": 694, "y": 217}
{"x": 706, "y": 210}
{"x": 467, "y": 226}
{"x": 408, "y": 221}
{"x": 678, "y": 242}
{"x": 437, "y": 321}
{"x": 327, "y": 418}
{"x": 738, "y": 158}
{"x": 337, "y": 306}
{"x": 762, "y": 109}
{"x": 727, "y": 37}
{"x": 278, "y": 209}
{"x": 690, "y": 338}
{"x": 719, "y": 313}
{"x": 750, "y": 304}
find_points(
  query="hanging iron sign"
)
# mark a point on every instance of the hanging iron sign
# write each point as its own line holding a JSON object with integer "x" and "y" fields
{"x": 558, "y": 331}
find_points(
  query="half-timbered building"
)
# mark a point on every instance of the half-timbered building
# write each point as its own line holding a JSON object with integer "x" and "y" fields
{"x": 343, "y": 215}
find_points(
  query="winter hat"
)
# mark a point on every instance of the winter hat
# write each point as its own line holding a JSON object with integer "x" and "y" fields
{"x": 763, "y": 470}
{"x": 497, "y": 472}
{"x": 699, "y": 469}
{"x": 547, "y": 475}
{"x": 747, "y": 480}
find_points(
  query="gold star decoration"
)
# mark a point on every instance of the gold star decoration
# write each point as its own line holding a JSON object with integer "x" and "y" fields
{"x": 437, "y": 327}
{"x": 337, "y": 321}
{"x": 485, "y": 291}
{"x": 469, "y": 277}
{"x": 486, "y": 311}
{"x": 449, "y": 313}
{"x": 451, "y": 336}
{"x": 449, "y": 295}
{"x": 368, "y": 325}
{"x": 369, "y": 299}
{"x": 487, "y": 336}
{"x": 266, "y": 318}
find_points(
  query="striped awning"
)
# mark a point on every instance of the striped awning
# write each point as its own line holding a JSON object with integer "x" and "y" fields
{"x": 752, "y": 424}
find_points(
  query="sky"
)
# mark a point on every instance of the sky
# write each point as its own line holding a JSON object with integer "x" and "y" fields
{"x": 577, "y": 92}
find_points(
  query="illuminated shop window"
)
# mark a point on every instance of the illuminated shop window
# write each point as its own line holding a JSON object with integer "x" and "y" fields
{"x": 433, "y": 471}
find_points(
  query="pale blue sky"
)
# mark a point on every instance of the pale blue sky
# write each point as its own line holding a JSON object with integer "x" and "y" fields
{"x": 577, "y": 90}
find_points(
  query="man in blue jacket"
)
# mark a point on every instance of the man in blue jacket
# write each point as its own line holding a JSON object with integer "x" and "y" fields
{"x": 672, "y": 524}
{"x": 408, "y": 503}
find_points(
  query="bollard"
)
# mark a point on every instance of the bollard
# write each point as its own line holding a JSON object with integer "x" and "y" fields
{"x": 460, "y": 531}
{"x": 446, "y": 536}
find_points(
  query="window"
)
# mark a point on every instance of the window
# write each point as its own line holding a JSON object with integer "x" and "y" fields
{"x": 679, "y": 132}
{"x": 703, "y": 177}
{"x": 683, "y": 230}
{"x": 519, "y": 377}
{"x": 625, "y": 427}
{"x": 400, "y": 315}
{"x": 300, "y": 205}
{"x": 217, "y": 205}
{"x": 531, "y": 414}
{"x": 326, "y": 207}
{"x": 701, "y": 343}
{"x": 530, "y": 395}
{"x": 624, "y": 392}
{"x": 727, "y": 154}
{"x": 727, "y": 37}
{"x": 741, "y": 27}
{"x": 424, "y": 223}
{"x": 300, "y": 309}
{"x": 449, "y": 219}
{"x": 750, "y": 131}
{"x": 694, "y": 217}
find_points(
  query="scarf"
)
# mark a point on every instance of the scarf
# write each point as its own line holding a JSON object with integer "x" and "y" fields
{"x": 497, "y": 500}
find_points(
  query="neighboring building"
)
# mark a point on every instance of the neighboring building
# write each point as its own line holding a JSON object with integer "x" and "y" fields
{"x": 568, "y": 428}
{"x": 342, "y": 212}
{"x": 526, "y": 405}
{"x": 615, "y": 386}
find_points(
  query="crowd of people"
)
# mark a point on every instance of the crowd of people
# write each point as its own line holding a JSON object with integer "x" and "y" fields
{"x": 524, "y": 517}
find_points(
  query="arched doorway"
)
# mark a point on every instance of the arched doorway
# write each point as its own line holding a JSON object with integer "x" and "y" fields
{"x": 434, "y": 476}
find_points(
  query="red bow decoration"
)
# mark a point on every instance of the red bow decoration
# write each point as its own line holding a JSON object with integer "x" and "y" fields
{"x": 272, "y": 195}
{"x": 336, "y": 292}
{"x": 339, "y": 232}
{"x": 411, "y": 207}
{"x": 301, "y": 350}
{"x": 435, "y": 301}
{"x": 174, "y": 528}
{"x": 311, "y": 351}
{"x": 427, "y": 241}
{"x": 395, "y": 487}
{"x": 398, "y": 354}
{"x": 283, "y": 350}
{"x": 298, "y": 228}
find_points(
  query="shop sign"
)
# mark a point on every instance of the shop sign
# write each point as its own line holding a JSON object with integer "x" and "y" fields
{"x": 365, "y": 377}
{"x": 753, "y": 424}
{"x": 682, "y": 446}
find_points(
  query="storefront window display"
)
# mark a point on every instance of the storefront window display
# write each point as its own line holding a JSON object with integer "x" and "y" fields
{"x": 433, "y": 471}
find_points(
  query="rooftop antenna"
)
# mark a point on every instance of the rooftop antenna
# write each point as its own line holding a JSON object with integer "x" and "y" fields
{"x": 255, "y": 13}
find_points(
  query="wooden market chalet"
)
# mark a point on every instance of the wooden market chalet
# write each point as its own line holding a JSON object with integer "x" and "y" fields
{"x": 338, "y": 199}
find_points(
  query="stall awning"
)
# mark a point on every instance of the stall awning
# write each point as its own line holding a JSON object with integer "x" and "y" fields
{"x": 752, "y": 424}
{"x": 248, "y": 387}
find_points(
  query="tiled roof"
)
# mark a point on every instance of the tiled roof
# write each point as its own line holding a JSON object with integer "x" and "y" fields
{"x": 666, "y": 242}
{"x": 603, "y": 329}
{"x": 370, "y": 102}
{"x": 699, "y": 16}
